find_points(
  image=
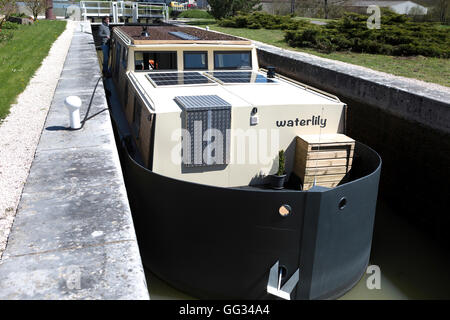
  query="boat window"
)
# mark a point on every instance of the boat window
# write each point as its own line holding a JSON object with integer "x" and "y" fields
{"x": 155, "y": 60}
{"x": 177, "y": 78}
{"x": 195, "y": 60}
{"x": 232, "y": 60}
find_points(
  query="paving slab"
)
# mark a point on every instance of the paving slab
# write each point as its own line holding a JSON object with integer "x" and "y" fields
{"x": 90, "y": 272}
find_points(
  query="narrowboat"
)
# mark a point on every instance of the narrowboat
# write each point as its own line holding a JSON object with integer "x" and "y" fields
{"x": 201, "y": 127}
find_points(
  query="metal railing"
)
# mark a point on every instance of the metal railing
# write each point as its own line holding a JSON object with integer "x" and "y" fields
{"x": 150, "y": 10}
{"x": 123, "y": 9}
{"x": 95, "y": 8}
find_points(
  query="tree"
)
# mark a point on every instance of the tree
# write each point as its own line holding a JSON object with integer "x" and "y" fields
{"x": 7, "y": 7}
{"x": 227, "y": 8}
{"x": 443, "y": 8}
{"x": 36, "y": 6}
{"x": 49, "y": 10}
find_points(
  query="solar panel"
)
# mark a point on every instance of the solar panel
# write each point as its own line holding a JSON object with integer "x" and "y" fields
{"x": 200, "y": 102}
{"x": 177, "y": 78}
{"x": 201, "y": 114}
{"x": 183, "y": 36}
{"x": 240, "y": 77}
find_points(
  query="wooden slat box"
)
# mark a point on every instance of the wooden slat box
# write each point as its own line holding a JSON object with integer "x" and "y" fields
{"x": 326, "y": 157}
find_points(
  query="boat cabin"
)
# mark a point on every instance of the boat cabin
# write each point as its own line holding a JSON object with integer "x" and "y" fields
{"x": 200, "y": 109}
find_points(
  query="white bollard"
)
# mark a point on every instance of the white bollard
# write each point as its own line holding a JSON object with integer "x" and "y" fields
{"x": 73, "y": 103}
{"x": 82, "y": 27}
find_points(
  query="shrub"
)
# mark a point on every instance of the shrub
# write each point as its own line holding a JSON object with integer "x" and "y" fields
{"x": 397, "y": 36}
{"x": 343, "y": 43}
{"x": 255, "y": 26}
{"x": 5, "y": 36}
{"x": 21, "y": 15}
{"x": 174, "y": 14}
{"x": 261, "y": 20}
{"x": 228, "y": 23}
{"x": 241, "y": 22}
{"x": 10, "y": 25}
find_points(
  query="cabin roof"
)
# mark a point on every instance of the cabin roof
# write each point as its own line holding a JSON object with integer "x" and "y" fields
{"x": 280, "y": 93}
{"x": 162, "y": 34}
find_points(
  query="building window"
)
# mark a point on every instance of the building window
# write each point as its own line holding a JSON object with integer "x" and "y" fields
{"x": 233, "y": 60}
{"x": 155, "y": 60}
{"x": 194, "y": 60}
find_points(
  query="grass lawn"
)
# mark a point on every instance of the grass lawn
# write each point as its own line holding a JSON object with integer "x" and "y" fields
{"x": 423, "y": 68}
{"x": 21, "y": 57}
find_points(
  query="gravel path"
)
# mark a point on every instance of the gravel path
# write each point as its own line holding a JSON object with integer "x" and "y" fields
{"x": 20, "y": 131}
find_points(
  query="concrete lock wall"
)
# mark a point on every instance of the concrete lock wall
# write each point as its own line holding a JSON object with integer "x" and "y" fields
{"x": 408, "y": 124}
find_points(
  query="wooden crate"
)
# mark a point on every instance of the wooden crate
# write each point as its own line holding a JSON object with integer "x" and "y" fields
{"x": 326, "y": 158}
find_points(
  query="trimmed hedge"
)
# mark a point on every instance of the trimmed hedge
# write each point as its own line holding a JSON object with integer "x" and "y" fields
{"x": 258, "y": 20}
{"x": 397, "y": 36}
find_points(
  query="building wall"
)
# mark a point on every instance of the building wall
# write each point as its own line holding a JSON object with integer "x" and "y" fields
{"x": 400, "y": 8}
{"x": 405, "y": 7}
{"x": 307, "y": 8}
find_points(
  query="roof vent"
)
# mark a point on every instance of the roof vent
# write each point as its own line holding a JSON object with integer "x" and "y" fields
{"x": 183, "y": 36}
{"x": 144, "y": 32}
{"x": 270, "y": 72}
